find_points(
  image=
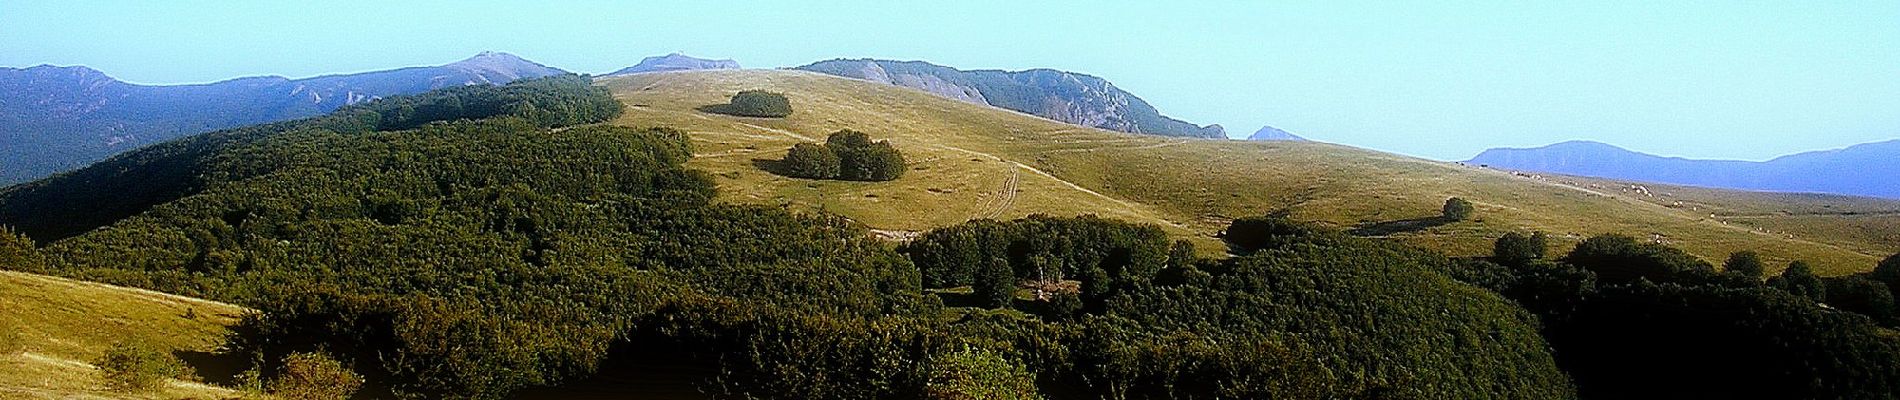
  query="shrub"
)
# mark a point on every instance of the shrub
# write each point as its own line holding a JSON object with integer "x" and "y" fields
{"x": 313, "y": 376}
{"x": 138, "y": 366}
{"x": 1745, "y": 263}
{"x": 17, "y": 251}
{"x": 1619, "y": 259}
{"x": 1799, "y": 279}
{"x": 974, "y": 374}
{"x": 1519, "y": 249}
{"x": 1264, "y": 233}
{"x": 812, "y": 161}
{"x": 847, "y": 155}
{"x": 1861, "y": 296}
{"x": 1458, "y": 209}
{"x": 759, "y": 103}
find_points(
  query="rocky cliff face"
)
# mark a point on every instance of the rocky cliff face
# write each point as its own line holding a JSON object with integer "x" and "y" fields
{"x": 58, "y": 118}
{"x": 676, "y": 62}
{"x": 1063, "y": 96}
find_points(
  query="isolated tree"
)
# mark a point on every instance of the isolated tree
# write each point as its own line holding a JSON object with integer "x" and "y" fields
{"x": 1518, "y": 249}
{"x": 1457, "y": 209}
{"x": 812, "y": 161}
{"x": 1744, "y": 263}
{"x": 1799, "y": 279}
{"x": 759, "y": 103}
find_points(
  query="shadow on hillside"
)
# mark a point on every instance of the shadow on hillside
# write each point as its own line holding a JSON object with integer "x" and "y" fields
{"x": 1399, "y": 226}
{"x": 732, "y": 110}
{"x": 214, "y": 368}
{"x": 775, "y": 167}
{"x": 645, "y": 366}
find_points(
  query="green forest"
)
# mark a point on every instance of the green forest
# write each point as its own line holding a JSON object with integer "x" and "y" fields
{"x": 479, "y": 241}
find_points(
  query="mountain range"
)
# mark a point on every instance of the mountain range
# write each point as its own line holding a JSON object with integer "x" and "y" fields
{"x": 1059, "y": 95}
{"x": 59, "y": 118}
{"x": 1864, "y": 170}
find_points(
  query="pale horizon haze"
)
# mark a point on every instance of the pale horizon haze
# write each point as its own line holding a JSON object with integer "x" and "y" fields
{"x": 1445, "y": 80}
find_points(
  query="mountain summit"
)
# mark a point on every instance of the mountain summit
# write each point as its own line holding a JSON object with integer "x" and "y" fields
{"x": 1059, "y": 95}
{"x": 676, "y": 62}
{"x": 1862, "y": 170}
{"x": 59, "y": 118}
{"x": 494, "y": 64}
{"x": 1272, "y": 133}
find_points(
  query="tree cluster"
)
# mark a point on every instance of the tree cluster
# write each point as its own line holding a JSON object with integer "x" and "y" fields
{"x": 756, "y": 103}
{"x": 1630, "y": 319}
{"x": 846, "y": 155}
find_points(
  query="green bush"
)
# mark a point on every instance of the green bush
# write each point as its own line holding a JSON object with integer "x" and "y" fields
{"x": 1251, "y": 234}
{"x": 314, "y": 376}
{"x": 759, "y": 103}
{"x": 975, "y": 374}
{"x": 1519, "y": 249}
{"x": 1744, "y": 263}
{"x": 17, "y": 252}
{"x": 1457, "y": 209}
{"x": 1799, "y": 280}
{"x": 847, "y": 155}
{"x": 812, "y": 161}
{"x": 138, "y": 366}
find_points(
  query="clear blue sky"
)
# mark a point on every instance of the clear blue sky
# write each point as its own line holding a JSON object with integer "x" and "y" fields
{"x": 1729, "y": 79}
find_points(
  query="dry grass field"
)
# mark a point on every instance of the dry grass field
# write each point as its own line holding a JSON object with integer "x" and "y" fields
{"x": 970, "y": 161}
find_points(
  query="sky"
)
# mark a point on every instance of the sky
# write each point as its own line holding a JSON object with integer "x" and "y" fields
{"x": 1746, "y": 80}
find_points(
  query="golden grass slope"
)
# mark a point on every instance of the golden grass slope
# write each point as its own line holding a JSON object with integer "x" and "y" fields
{"x": 56, "y": 327}
{"x": 971, "y": 161}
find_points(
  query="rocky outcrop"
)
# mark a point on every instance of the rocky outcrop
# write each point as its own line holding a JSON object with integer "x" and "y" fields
{"x": 676, "y": 62}
{"x": 1059, "y": 95}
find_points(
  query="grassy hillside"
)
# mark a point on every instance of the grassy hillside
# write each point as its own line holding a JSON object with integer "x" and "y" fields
{"x": 971, "y": 161}
{"x": 58, "y": 326}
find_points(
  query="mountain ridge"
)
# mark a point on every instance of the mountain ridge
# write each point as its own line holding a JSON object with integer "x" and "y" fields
{"x": 676, "y": 61}
{"x": 1814, "y": 171}
{"x": 1069, "y": 97}
{"x": 57, "y": 118}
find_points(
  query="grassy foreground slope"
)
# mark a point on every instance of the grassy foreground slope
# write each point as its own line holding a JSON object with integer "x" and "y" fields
{"x": 58, "y": 326}
{"x": 970, "y": 161}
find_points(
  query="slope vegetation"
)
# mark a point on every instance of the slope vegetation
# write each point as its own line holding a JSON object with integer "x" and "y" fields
{"x": 971, "y": 161}
{"x": 60, "y": 325}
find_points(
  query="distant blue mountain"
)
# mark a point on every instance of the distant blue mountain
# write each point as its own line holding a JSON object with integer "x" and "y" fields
{"x": 1871, "y": 169}
{"x": 676, "y": 62}
{"x": 1269, "y": 133}
{"x": 54, "y": 119}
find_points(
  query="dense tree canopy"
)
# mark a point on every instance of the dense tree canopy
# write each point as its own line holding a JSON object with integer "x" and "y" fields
{"x": 1642, "y": 320}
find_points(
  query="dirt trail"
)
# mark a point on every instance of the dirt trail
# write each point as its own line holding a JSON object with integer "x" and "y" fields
{"x": 1004, "y": 198}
